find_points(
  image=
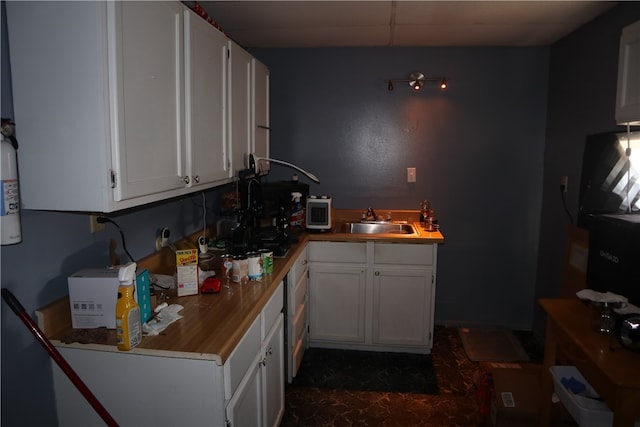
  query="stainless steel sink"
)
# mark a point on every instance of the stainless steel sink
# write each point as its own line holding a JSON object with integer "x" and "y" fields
{"x": 376, "y": 228}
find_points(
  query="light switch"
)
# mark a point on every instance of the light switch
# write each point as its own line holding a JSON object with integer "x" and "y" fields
{"x": 411, "y": 174}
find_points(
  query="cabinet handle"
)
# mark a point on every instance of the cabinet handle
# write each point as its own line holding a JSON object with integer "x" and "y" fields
{"x": 270, "y": 351}
{"x": 186, "y": 179}
{"x": 196, "y": 179}
{"x": 377, "y": 273}
{"x": 304, "y": 262}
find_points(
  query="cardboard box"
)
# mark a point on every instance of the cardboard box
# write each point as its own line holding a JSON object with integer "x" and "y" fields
{"x": 516, "y": 396}
{"x": 93, "y": 293}
{"x": 187, "y": 269}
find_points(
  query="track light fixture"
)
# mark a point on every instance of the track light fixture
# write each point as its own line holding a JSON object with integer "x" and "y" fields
{"x": 417, "y": 80}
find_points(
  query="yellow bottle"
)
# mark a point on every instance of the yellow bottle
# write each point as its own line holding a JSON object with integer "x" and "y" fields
{"x": 128, "y": 323}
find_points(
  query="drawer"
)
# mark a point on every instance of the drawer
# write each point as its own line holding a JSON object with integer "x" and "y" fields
{"x": 241, "y": 357}
{"x": 298, "y": 352}
{"x": 299, "y": 267}
{"x": 299, "y": 321}
{"x": 354, "y": 252}
{"x": 297, "y": 295}
{"x": 403, "y": 253}
{"x": 271, "y": 310}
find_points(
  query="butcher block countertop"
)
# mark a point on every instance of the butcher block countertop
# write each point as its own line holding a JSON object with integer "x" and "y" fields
{"x": 212, "y": 324}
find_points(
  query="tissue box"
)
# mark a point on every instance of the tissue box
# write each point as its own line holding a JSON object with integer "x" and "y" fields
{"x": 93, "y": 293}
{"x": 187, "y": 269}
{"x": 143, "y": 294}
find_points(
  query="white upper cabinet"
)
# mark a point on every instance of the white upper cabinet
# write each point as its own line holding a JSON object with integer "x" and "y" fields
{"x": 261, "y": 118}
{"x": 248, "y": 107}
{"x": 119, "y": 104}
{"x": 206, "y": 83}
{"x": 146, "y": 44}
{"x": 240, "y": 107}
{"x": 628, "y": 96}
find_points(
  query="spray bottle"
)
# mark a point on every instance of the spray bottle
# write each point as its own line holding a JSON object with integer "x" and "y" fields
{"x": 128, "y": 323}
{"x": 297, "y": 221}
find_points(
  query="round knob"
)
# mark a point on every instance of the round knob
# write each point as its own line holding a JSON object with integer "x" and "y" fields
{"x": 377, "y": 273}
{"x": 196, "y": 179}
{"x": 186, "y": 179}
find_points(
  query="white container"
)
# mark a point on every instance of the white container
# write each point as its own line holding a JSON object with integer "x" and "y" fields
{"x": 587, "y": 412}
{"x": 93, "y": 293}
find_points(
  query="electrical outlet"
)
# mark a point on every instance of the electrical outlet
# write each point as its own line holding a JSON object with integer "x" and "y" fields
{"x": 564, "y": 183}
{"x": 95, "y": 225}
{"x": 411, "y": 174}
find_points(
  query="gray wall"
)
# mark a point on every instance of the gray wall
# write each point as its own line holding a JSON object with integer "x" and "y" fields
{"x": 478, "y": 148}
{"x": 582, "y": 97}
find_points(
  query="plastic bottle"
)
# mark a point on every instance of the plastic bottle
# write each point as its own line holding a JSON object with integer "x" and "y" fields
{"x": 297, "y": 212}
{"x": 128, "y": 323}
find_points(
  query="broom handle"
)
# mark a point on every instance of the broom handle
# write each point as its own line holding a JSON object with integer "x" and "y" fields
{"x": 19, "y": 310}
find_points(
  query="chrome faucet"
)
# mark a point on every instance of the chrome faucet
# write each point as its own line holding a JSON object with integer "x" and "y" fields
{"x": 370, "y": 214}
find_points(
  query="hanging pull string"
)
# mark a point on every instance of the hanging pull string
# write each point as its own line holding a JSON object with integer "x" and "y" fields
{"x": 204, "y": 216}
{"x": 102, "y": 220}
{"x": 628, "y": 154}
{"x": 564, "y": 203}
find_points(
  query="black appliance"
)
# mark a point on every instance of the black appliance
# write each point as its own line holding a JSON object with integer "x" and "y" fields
{"x": 614, "y": 255}
{"x": 278, "y": 194}
{"x": 265, "y": 209}
{"x": 608, "y": 175}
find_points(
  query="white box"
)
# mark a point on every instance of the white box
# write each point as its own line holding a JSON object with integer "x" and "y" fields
{"x": 586, "y": 411}
{"x": 93, "y": 293}
{"x": 92, "y": 297}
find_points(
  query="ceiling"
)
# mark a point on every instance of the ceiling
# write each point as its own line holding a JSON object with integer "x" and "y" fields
{"x": 285, "y": 24}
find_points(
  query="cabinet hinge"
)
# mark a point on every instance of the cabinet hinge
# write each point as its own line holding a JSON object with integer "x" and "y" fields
{"x": 113, "y": 179}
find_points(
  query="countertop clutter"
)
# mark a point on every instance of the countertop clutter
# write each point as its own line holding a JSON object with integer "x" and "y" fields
{"x": 213, "y": 324}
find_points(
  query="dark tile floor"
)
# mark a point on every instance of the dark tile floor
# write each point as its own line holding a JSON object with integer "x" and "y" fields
{"x": 455, "y": 405}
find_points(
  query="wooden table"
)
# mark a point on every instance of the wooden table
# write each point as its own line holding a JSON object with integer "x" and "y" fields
{"x": 614, "y": 372}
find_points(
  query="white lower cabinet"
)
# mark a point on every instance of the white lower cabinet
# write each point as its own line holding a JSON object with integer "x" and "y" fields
{"x": 180, "y": 388}
{"x": 257, "y": 399}
{"x": 372, "y": 295}
{"x": 338, "y": 303}
{"x": 401, "y": 307}
{"x": 297, "y": 301}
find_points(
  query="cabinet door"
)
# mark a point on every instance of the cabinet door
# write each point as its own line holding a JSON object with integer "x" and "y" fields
{"x": 245, "y": 406}
{"x": 337, "y": 303}
{"x": 239, "y": 106}
{"x": 273, "y": 374}
{"x": 147, "y": 124}
{"x": 402, "y": 307}
{"x": 261, "y": 119}
{"x": 205, "y": 97}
